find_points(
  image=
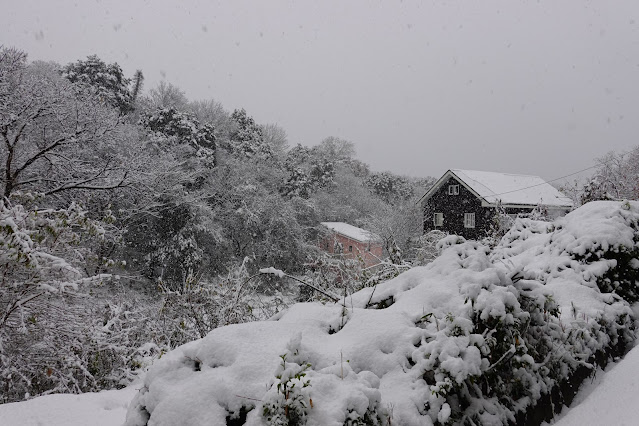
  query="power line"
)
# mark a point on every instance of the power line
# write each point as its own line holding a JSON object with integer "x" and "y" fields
{"x": 563, "y": 177}
{"x": 556, "y": 179}
{"x": 546, "y": 182}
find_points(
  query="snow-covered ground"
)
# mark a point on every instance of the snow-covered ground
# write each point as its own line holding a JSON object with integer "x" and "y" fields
{"x": 400, "y": 350}
{"x": 610, "y": 399}
{"x": 106, "y": 408}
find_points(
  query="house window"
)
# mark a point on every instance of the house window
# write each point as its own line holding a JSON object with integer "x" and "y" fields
{"x": 350, "y": 248}
{"x": 453, "y": 189}
{"x": 438, "y": 220}
{"x": 469, "y": 220}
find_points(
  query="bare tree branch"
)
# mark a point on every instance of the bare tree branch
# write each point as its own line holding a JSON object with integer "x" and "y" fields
{"x": 80, "y": 185}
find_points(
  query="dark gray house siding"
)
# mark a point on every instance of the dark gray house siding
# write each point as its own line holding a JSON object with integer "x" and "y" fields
{"x": 465, "y": 200}
{"x": 453, "y": 208}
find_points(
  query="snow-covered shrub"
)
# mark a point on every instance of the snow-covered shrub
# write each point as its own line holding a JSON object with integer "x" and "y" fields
{"x": 333, "y": 274}
{"x": 427, "y": 250}
{"x": 480, "y": 335}
{"x": 288, "y": 400}
{"x": 42, "y": 253}
{"x": 616, "y": 257}
{"x": 383, "y": 271}
{"x": 342, "y": 275}
{"x": 200, "y": 306}
{"x": 125, "y": 335}
{"x": 484, "y": 367}
{"x": 61, "y": 330}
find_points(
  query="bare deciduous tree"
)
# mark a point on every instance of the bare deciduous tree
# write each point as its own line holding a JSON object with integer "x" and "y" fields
{"x": 55, "y": 136}
{"x": 276, "y": 138}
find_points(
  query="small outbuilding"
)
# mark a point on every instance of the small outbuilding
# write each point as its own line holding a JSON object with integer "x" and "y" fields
{"x": 351, "y": 242}
{"x": 464, "y": 202}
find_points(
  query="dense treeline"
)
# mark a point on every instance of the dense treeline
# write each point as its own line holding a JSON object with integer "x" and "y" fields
{"x": 131, "y": 223}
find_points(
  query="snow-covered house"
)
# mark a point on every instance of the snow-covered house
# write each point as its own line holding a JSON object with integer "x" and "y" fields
{"x": 464, "y": 202}
{"x": 351, "y": 242}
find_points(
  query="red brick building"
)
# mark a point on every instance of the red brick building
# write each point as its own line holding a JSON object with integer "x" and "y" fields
{"x": 351, "y": 242}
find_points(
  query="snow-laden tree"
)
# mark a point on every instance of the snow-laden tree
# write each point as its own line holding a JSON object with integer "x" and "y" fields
{"x": 399, "y": 227}
{"x": 616, "y": 177}
{"x": 165, "y": 212}
{"x": 247, "y": 138}
{"x": 275, "y": 137}
{"x": 183, "y": 128}
{"x": 389, "y": 187}
{"x": 313, "y": 169}
{"x": 255, "y": 221}
{"x": 213, "y": 113}
{"x": 335, "y": 149}
{"x": 107, "y": 80}
{"x": 167, "y": 95}
{"x": 43, "y": 259}
{"x": 56, "y": 136}
{"x": 346, "y": 200}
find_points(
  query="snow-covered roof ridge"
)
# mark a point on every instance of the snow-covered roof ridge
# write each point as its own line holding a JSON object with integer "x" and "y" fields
{"x": 351, "y": 231}
{"x": 510, "y": 188}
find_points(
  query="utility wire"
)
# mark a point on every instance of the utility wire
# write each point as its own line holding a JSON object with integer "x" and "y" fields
{"x": 545, "y": 182}
{"x": 556, "y": 179}
{"x": 563, "y": 177}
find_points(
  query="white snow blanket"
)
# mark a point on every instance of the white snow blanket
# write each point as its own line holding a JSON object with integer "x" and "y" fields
{"x": 106, "y": 408}
{"x": 612, "y": 399}
{"x": 478, "y": 334}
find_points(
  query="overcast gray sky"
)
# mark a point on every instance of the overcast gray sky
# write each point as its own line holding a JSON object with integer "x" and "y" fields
{"x": 533, "y": 87}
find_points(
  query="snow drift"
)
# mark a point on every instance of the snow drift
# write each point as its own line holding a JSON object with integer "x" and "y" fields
{"x": 480, "y": 336}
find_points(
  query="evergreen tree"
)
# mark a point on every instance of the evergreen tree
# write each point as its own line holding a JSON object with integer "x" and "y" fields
{"x": 107, "y": 80}
{"x": 247, "y": 139}
{"x": 184, "y": 128}
{"x": 389, "y": 187}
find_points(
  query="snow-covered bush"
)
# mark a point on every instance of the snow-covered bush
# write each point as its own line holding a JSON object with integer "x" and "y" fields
{"x": 480, "y": 335}
{"x": 501, "y": 222}
{"x": 427, "y": 250}
{"x": 198, "y": 307}
{"x": 288, "y": 400}
{"x": 201, "y": 305}
{"x": 42, "y": 254}
{"x": 383, "y": 271}
{"x": 333, "y": 274}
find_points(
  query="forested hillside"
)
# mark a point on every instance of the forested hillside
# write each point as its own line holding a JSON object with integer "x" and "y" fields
{"x": 133, "y": 221}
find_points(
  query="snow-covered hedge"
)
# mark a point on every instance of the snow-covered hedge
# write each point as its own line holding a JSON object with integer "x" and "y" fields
{"x": 479, "y": 336}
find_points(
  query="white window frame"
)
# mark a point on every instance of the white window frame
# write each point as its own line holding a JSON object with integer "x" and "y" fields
{"x": 469, "y": 220}
{"x": 438, "y": 219}
{"x": 453, "y": 189}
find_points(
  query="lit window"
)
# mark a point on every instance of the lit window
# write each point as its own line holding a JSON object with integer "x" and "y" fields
{"x": 453, "y": 189}
{"x": 469, "y": 220}
{"x": 439, "y": 219}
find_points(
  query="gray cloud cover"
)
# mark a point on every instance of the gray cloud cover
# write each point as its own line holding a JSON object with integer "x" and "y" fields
{"x": 514, "y": 86}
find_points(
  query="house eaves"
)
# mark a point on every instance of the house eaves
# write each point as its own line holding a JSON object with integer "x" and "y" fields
{"x": 443, "y": 179}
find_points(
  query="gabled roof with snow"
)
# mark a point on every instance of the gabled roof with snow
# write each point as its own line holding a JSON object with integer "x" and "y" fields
{"x": 352, "y": 232}
{"x": 506, "y": 188}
